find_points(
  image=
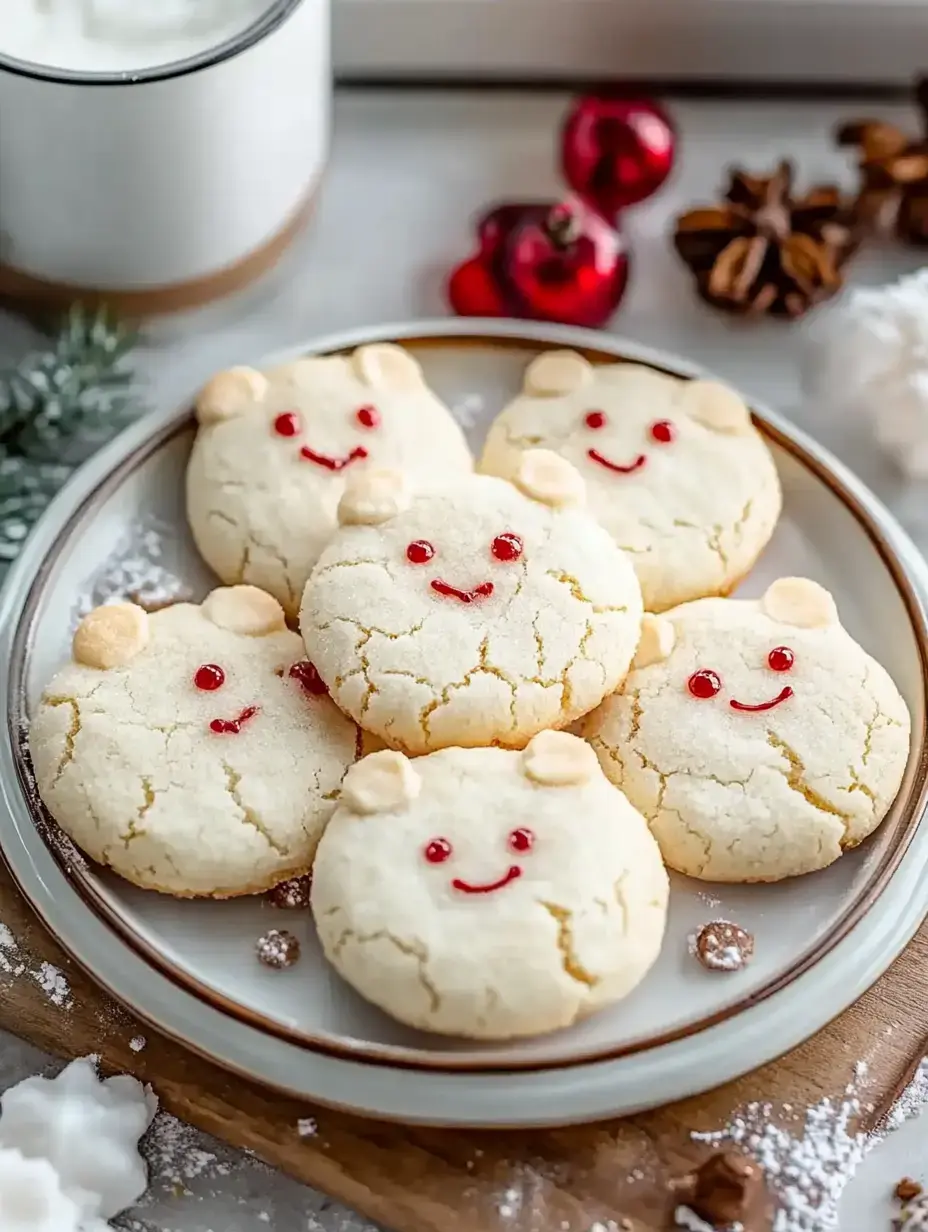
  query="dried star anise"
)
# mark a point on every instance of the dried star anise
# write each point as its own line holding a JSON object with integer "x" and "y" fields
{"x": 764, "y": 250}
{"x": 893, "y": 194}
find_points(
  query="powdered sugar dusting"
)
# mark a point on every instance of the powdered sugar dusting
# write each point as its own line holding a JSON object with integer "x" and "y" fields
{"x": 173, "y": 1153}
{"x": 913, "y": 1100}
{"x": 136, "y": 571}
{"x": 809, "y": 1166}
{"x": 14, "y": 963}
{"x": 53, "y": 984}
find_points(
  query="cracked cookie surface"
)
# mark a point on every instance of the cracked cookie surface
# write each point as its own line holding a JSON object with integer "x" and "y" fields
{"x": 274, "y": 449}
{"x": 674, "y": 469}
{"x": 472, "y": 616}
{"x": 487, "y": 893}
{"x": 758, "y": 738}
{"x": 189, "y": 759}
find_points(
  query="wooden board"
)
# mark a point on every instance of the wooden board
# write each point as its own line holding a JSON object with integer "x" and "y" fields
{"x": 417, "y": 1180}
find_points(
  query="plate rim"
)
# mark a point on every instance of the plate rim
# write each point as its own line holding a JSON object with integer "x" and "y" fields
{"x": 109, "y": 468}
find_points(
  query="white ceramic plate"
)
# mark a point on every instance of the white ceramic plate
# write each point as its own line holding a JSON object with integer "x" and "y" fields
{"x": 190, "y": 967}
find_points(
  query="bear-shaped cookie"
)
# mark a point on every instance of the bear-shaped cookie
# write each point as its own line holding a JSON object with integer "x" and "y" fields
{"x": 273, "y": 451}
{"x": 473, "y": 614}
{"x": 488, "y": 893}
{"x": 757, "y": 737}
{"x": 193, "y": 750}
{"x": 674, "y": 469}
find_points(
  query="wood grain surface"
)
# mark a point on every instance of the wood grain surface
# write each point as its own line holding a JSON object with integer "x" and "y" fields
{"x": 424, "y": 1180}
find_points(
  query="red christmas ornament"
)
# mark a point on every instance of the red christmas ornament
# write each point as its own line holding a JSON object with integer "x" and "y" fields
{"x": 616, "y": 152}
{"x": 570, "y": 267}
{"x": 543, "y": 262}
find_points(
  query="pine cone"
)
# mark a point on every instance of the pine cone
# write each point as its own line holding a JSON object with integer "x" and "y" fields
{"x": 764, "y": 250}
{"x": 893, "y": 195}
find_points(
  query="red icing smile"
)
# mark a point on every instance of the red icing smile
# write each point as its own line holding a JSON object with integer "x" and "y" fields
{"x": 333, "y": 464}
{"x": 614, "y": 466}
{"x": 785, "y": 694}
{"x": 233, "y": 726}
{"x": 465, "y": 596}
{"x": 513, "y": 873}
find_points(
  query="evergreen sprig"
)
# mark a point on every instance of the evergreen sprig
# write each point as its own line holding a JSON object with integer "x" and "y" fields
{"x": 56, "y": 407}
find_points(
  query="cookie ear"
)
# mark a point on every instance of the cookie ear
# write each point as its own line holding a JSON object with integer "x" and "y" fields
{"x": 373, "y": 497}
{"x": 558, "y": 759}
{"x": 381, "y": 783}
{"x": 799, "y": 602}
{"x": 111, "y": 636}
{"x": 716, "y": 407}
{"x": 384, "y": 365}
{"x": 244, "y": 609}
{"x": 230, "y": 394}
{"x": 658, "y": 637}
{"x": 556, "y": 372}
{"x": 545, "y": 476}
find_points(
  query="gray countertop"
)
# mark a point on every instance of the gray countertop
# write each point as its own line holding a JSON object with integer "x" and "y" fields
{"x": 408, "y": 171}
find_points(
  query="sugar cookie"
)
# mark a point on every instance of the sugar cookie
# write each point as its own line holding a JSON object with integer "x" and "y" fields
{"x": 756, "y": 736}
{"x": 674, "y": 469}
{"x": 274, "y": 449}
{"x": 473, "y": 615}
{"x": 192, "y": 750}
{"x": 488, "y": 893}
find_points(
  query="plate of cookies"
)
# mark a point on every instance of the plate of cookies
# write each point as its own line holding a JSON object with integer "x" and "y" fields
{"x": 471, "y": 723}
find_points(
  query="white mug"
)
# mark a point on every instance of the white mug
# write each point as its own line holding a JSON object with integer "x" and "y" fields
{"x": 161, "y": 188}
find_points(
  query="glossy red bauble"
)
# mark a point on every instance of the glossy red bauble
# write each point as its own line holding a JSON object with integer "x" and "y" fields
{"x": 473, "y": 291}
{"x": 616, "y": 152}
{"x": 570, "y": 267}
{"x": 558, "y": 262}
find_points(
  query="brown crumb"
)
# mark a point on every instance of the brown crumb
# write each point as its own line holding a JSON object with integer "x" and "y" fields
{"x": 722, "y": 945}
{"x": 727, "y": 1188}
{"x": 907, "y": 1189}
{"x": 278, "y": 949}
{"x": 291, "y": 895}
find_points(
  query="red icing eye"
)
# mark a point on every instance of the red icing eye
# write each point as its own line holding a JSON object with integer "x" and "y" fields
{"x": 305, "y": 672}
{"x": 780, "y": 659}
{"x": 506, "y": 546}
{"x": 438, "y": 850}
{"x": 288, "y": 424}
{"x": 521, "y": 840}
{"x": 368, "y": 417}
{"x": 595, "y": 419}
{"x": 419, "y": 552}
{"x": 663, "y": 431}
{"x": 704, "y": 684}
{"x": 209, "y": 677}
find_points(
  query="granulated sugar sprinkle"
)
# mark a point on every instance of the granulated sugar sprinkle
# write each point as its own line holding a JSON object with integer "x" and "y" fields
{"x": 136, "y": 571}
{"x": 172, "y": 1152}
{"x": 808, "y": 1169}
{"x": 53, "y": 984}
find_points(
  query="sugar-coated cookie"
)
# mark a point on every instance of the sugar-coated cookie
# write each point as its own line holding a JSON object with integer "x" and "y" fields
{"x": 488, "y": 893}
{"x": 674, "y": 469}
{"x": 192, "y": 750}
{"x": 756, "y": 736}
{"x": 475, "y": 614}
{"x": 274, "y": 449}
